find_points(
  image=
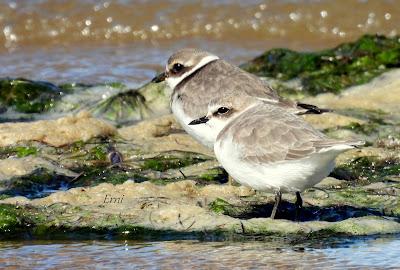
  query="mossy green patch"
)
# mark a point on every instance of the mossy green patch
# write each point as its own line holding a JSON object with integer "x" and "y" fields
{"x": 9, "y": 220}
{"x": 213, "y": 175}
{"x": 98, "y": 152}
{"x": 117, "y": 85}
{"x": 95, "y": 175}
{"x": 72, "y": 87}
{"x": 220, "y": 206}
{"x": 94, "y": 151}
{"x": 19, "y": 151}
{"x": 371, "y": 169}
{"x": 165, "y": 162}
{"x": 364, "y": 129}
{"x": 122, "y": 106}
{"x": 330, "y": 70}
{"x": 28, "y": 96}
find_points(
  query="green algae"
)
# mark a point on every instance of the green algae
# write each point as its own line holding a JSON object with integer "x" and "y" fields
{"x": 94, "y": 175}
{"x": 132, "y": 105}
{"x": 219, "y": 206}
{"x": 371, "y": 169}
{"x": 214, "y": 175}
{"x": 166, "y": 162}
{"x": 98, "y": 152}
{"x": 32, "y": 185}
{"x": 27, "y": 222}
{"x": 92, "y": 152}
{"x": 19, "y": 151}
{"x": 9, "y": 220}
{"x": 330, "y": 70}
{"x": 359, "y": 197}
{"x": 365, "y": 129}
{"x": 28, "y": 96}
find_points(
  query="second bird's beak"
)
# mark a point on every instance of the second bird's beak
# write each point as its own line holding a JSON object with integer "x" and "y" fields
{"x": 201, "y": 120}
{"x": 160, "y": 77}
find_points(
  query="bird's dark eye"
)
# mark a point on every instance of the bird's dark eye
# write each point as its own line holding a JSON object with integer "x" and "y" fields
{"x": 223, "y": 110}
{"x": 176, "y": 68}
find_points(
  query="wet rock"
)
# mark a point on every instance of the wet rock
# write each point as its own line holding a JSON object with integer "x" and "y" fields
{"x": 12, "y": 167}
{"x": 24, "y": 100}
{"x": 331, "y": 182}
{"x": 178, "y": 207}
{"x": 28, "y": 96}
{"x": 153, "y": 128}
{"x": 330, "y": 70}
{"x": 382, "y": 94}
{"x": 58, "y": 132}
{"x": 31, "y": 176}
{"x": 162, "y": 134}
{"x": 133, "y": 105}
{"x": 331, "y": 120}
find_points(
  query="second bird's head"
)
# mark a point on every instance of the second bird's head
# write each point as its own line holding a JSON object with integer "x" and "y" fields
{"x": 182, "y": 64}
{"x": 223, "y": 110}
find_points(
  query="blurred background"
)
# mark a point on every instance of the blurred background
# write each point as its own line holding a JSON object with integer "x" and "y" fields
{"x": 129, "y": 41}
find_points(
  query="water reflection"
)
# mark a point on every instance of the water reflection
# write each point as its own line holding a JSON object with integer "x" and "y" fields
{"x": 371, "y": 253}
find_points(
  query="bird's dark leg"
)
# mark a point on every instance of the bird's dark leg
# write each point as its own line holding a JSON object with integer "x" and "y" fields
{"x": 278, "y": 197}
{"x": 299, "y": 205}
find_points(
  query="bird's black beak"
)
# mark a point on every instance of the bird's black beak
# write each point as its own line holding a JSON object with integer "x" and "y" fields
{"x": 201, "y": 120}
{"x": 160, "y": 77}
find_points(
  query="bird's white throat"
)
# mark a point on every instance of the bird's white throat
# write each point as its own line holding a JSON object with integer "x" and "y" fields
{"x": 174, "y": 81}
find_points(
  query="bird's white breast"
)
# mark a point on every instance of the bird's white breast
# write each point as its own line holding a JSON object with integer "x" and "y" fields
{"x": 286, "y": 175}
{"x": 202, "y": 133}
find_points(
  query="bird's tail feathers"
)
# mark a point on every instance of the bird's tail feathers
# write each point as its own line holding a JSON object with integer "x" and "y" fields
{"x": 339, "y": 145}
{"x": 311, "y": 109}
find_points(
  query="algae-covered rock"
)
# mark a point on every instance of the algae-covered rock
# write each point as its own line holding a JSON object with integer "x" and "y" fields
{"x": 31, "y": 176}
{"x": 162, "y": 134}
{"x": 330, "y": 70}
{"x": 58, "y": 132}
{"x": 28, "y": 96}
{"x": 377, "y": 98}
{"x": 133, "y": 105}
{"x": 22, "y": 99}
{"x": 129, "y": 209}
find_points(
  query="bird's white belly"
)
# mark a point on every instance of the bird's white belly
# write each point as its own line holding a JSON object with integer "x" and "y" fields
{"x": 202, "y": 133}
{"x": 286, "y": 176}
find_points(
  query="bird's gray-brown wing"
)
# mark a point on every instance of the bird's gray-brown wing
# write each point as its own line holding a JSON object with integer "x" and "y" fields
{"x": 216, "y": 79}
{"x": 245, "y": 82}
{"x": 266, "y": 134}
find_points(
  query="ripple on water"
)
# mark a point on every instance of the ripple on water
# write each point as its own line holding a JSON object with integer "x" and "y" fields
{"x": 371, "y": 253}
{"x": 92, "y": 41}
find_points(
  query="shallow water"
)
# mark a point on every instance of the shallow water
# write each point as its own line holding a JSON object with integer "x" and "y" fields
{"x": 97, "y": 41}
{"x": 363, "y": 253}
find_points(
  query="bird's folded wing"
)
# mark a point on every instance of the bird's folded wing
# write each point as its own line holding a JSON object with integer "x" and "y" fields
{"x": 270, "y": 134}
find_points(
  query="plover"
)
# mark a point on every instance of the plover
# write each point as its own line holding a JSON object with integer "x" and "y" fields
{"x": 197, "y": 76}
{"x": 268, "y": 148}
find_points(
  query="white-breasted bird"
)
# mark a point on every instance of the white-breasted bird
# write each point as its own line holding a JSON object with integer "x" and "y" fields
{"x": 268, "y": 148}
